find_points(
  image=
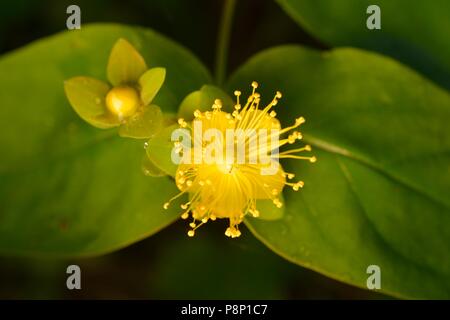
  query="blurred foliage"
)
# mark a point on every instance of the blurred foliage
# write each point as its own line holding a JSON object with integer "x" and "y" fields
{"x": 413, "y": 32}
{"x": 193, "y": 24}
{"x": 168, "y": 265}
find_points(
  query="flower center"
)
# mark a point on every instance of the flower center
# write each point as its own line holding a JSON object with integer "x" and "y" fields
{"x": 122, "y": 101}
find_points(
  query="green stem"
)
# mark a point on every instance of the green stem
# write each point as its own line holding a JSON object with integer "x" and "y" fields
{"x": 223, "y": 40}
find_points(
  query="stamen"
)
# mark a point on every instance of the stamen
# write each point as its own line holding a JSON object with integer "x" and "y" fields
{"x": 217, "y": 105}
{"x": 277, "y": 203}
{"x": 299, "y": 121}
{"x": 184, "y": 206}
{"x": 237, "y": 94}
{"x": 185, "y": 215}
{"x": 298, "y": 185}
{"x": 182, "y": 123}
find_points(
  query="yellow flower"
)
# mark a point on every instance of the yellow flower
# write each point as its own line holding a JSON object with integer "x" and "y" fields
{"x": 221, "y": 185}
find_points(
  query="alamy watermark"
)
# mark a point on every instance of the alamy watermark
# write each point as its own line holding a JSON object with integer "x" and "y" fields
{"x": 374, "y": 20}
{"x": 74, "y": 20}
{"x": 74, "y": 279}
{"x": 374, "y": 280}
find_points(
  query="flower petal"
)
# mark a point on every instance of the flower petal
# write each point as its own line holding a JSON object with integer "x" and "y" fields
{"x": 144, "y": 124}
{"x": 150, "y": 82}
{"x": 87, "y": 97}
{"x": 125, "y": 64}
{"x": 268, "y": 180}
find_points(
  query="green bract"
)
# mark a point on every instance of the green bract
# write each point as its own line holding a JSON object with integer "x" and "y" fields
{"x": 202, "y": 100}
{"x": 126, "y": 69}
{"x": 159, "y": 150}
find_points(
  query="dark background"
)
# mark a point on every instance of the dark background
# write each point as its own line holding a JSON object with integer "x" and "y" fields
{"x": 169, "y": 264}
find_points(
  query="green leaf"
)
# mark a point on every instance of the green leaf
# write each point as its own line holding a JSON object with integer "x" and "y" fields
{"x": 87, "y": 97}
{"x": 143, "y": 124}
{"x": 412, "y": 32}
{"x": 159, "y": 150}
{"x": 203, "y": 100}
{"x": 378, "y": 194}
{"x": 150, "y": 82}
{"x": 125, "y": 64}
{"x": 66, "y": 188}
